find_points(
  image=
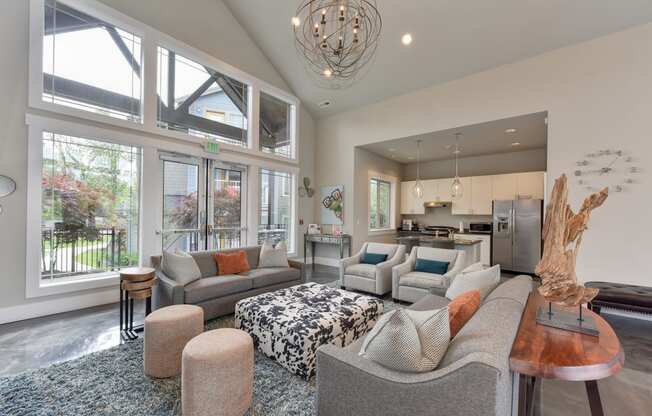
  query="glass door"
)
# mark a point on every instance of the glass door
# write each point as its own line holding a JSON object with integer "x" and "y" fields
{"x": 226, "y": 206}
{"x": 183, "y": 203}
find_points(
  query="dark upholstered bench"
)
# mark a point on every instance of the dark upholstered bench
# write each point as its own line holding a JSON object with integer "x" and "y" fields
{"x": 621, "y": 296}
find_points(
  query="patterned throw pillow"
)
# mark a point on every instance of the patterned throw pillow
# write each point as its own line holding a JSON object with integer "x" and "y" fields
{"x": 232, "y": 263}
{"x": 271, "y": 256}
{"x": 180, "y": 267}
{"x": 407, "y": 340}
{"x": 461, "y": 309}
{"x": 485, "y": 281}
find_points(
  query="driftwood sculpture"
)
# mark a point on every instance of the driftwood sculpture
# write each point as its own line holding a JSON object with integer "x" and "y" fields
{"x": 562, "y": 234}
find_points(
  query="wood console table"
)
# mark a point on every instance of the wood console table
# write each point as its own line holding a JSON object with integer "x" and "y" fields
{"x": 314, "y": 239}
{"x": 544, "y": 352}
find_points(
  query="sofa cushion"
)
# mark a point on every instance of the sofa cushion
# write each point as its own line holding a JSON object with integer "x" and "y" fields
{"x": 439, "y": 254}
{"x": 485, "y": 281}
{"x": 209, "y": 288}
{"x": 363, "y": 270}
{"x": 431, "y": 266}
{"x": 180, "y": 267}
{"x": 422, "y": 280}
{"x": 461, "y": 309}
{"x": 206, "y": 261}
{"x": 271, "y": 256}
{"x": 232, "y": 263}
{"x": 268, "y": 276}
{"x": 408, "y": 340}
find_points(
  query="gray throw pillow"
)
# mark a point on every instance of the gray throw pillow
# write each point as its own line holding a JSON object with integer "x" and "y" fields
{"x": 180, "y": 267}
{"x": 271, "y": 256}
{"x": 484, "y": 280}
{"x": 407, "y": 340}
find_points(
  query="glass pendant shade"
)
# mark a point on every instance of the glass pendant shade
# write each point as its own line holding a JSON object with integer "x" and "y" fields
{"x": 456, "y": 189}
{"x": 418, "y": 190}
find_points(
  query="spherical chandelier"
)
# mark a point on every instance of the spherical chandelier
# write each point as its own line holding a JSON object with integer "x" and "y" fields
{"x": 336, "y": 38}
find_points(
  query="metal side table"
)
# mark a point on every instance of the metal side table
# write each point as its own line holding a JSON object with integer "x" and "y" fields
{"x": 314, "y": 239}
{"x": 135, "y": 283}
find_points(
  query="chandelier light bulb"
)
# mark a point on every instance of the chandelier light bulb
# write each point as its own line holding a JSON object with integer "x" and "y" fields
{"x": 456, "y": 188}
{"x": 418, "y": 190}
{"x": 406, "y": 39}
{"x": 296, "y": 22}
{"x": 328, "y": 73}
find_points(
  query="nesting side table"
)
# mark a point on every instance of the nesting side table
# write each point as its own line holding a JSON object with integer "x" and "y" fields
{"x": 135, "y": 283}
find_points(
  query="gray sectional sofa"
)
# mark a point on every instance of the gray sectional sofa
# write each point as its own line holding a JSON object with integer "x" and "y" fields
{"x": 472, "y": 379}
{"x": 217, "y": 295}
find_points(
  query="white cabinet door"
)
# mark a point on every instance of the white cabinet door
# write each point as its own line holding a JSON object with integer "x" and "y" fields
{"x": 530, "y": 185}
{"x": 464, "y": 205}
{"x": 409, "y": 203}
{"x": 444, "y": 189}
{"x": 504, "y": 187}
{"x": 429, "y": 190}
{"x": 485, "y": 246}
{"x": 481, "y": 195}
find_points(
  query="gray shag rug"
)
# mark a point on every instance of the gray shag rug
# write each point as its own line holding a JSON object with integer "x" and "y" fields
{"x": 112, "y": 382}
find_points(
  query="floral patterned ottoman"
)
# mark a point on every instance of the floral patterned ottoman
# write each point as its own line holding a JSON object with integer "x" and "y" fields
{"x": 288, "y": 325}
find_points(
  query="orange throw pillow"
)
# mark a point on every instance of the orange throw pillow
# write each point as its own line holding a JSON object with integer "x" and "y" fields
{"x": 461, "y": 309}
{"x": 232, "y": 263}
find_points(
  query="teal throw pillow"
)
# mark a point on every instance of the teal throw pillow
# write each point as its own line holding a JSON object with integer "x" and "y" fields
{"x": 431, "y": 266}
{"x": 373, "y": 258}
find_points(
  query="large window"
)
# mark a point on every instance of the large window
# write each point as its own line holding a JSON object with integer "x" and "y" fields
{"x": 275, "y": 222}
{"x": 90, "y": 196}
{"x": 380, "y": 204}
{"x": 275, "y": 126}
{"x": 200, "y": 101}
{"x": 89, "y": 64}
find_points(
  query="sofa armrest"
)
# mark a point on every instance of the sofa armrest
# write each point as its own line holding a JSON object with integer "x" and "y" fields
{"x": 299, "y": 265}
{"x": 166, "y": 292}
{"x": 350, "y": 384}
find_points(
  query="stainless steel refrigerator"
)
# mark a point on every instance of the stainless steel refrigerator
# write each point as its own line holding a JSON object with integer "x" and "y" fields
{"x": 516, "y": 237}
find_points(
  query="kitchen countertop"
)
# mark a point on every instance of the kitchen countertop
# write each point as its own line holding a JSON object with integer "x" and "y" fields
{"x": 466, "y": 231}
{"x": 425, "y": 239}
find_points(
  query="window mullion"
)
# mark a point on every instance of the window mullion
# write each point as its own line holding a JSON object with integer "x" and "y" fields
{"x": 254, "y": 119}
{"x": 150, "y": 68}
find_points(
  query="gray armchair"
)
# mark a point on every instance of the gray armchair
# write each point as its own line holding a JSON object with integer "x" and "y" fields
{"x": 409, "y": 285}
{"x": 371, "y": 278}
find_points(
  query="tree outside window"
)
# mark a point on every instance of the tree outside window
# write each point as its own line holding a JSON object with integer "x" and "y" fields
{"x": 380, "y": 194}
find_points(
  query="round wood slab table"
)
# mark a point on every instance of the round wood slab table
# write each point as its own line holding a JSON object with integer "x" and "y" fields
{"x": 135, "y": 283}
{"x": 544, "y": 352}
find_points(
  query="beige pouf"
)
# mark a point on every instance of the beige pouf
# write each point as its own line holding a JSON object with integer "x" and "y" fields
{"x": 167, "y": 331}
{"x": 217, "y": 374}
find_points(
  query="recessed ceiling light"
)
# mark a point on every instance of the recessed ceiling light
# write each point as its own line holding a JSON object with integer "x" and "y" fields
{"x": 510, "y": 131}
{"x": 406, "y": 39}
{"x": 516, "y": 144}
{"x": 324, "y": 104}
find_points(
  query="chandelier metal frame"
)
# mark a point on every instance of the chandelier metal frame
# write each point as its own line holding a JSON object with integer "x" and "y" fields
{"x": 337, "y": 38}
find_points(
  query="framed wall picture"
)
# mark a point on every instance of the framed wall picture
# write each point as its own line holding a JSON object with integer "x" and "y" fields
{"x": 332, "y": 204}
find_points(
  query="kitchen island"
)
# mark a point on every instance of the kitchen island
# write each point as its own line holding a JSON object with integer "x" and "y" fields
{"x": 470, "y": 246}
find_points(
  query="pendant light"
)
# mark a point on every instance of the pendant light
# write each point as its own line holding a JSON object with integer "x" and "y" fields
{"x": 418, "y": 186}
{"x": 456, "y": 188}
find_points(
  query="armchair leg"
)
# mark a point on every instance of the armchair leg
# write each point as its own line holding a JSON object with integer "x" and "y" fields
{"x": 343, "y": 287}
{"x": 395, "y": 300}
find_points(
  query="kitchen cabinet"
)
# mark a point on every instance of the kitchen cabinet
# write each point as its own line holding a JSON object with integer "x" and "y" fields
{"x": 530, "y": 185}
{"x": 504, "y": 187}
{"x": 444, "y": 189}
{"x": 485, "y": 246}
{"x": 410, "y": 205}
{"x": 464, "y": 205}
{"x": 430, "y": 190}
{"x": 481, "y": 195}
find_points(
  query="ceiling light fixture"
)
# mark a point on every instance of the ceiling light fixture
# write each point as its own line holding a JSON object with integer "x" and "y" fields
{"x": 418, "y": 186}
{"x": 510, "y": 131}
{"x": 457, "y": 189}
{"x": 406, "y": 39}
{"x": 516, "y": 144}
{"x": 338, "y": 36}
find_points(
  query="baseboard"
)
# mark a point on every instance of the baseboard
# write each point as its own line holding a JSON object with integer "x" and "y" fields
{"x": 626, "y": 314}
{"x": 62, "y": 304}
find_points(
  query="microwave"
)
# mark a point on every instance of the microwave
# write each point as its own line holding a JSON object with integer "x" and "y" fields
{"x": 480, "y": 227}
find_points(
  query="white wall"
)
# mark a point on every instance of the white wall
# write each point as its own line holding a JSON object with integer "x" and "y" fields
{"x": 205, "y": 24}
{"x": 525, "y": 161}
{"x": 598, "y": 95}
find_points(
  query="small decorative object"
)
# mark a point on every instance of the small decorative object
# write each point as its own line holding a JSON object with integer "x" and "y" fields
{"x": 611, "y": 168}
{"x": 456, "y": 188}
{"x": 418, "y": 186}
{"x": 336, "y": 38}
{"x": 332, "y": 205}
{"x": 7, "y": 186}
{"x": 314, "y": 229}
{"x": 306, "y": 190}
{"x": 562, "y": 233}
{"x": 337, "y": 230}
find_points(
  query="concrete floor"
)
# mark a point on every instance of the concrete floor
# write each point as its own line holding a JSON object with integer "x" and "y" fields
{"x": 40, "y": 342}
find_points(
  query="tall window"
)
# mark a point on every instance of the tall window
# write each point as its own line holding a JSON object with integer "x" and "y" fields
{"x": 89, "y": 64}
{"x": 200, "y": 101}
{"x": 90, "y": 205}
{"x": 380, "y": 204}
{"x": 275, "y": 126}
{"x": 276, "y": 221}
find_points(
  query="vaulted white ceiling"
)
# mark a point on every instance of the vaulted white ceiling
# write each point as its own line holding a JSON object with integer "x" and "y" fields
{"x": 452, "y": 39}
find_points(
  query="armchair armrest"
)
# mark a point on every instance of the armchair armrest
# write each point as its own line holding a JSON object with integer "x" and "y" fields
{"x": 399, "y": 270}
{"x": 166, "y": 292}
{"x": 349, "y": 261}
{"x": 457, "y": 268}
{"x": 384, "y": 270}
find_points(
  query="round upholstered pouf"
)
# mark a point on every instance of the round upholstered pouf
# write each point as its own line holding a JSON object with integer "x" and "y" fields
{"x": 167, "y": 331}
{"x": 217, "y": 374}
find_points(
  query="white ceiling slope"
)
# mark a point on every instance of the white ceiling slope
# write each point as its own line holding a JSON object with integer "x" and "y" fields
{"x": 452, "y": 39}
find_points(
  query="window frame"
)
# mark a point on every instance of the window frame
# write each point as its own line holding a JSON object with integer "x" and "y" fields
{"x": 292, "y": 232}
{"x": 151, "y": 39}
{"x": 392, "y": 181}
{"x": 294, "y": 122}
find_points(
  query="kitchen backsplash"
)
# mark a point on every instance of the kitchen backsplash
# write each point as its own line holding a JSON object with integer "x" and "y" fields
{"x": 444, "y": 216}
